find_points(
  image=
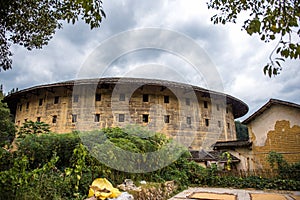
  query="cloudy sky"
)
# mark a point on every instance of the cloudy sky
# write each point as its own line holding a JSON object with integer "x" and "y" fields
{"x": 236, "y": 58}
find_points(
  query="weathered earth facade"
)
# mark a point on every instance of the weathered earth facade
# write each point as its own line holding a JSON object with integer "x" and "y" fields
{"x": 274, "y": 127}
{"x": 175, "y": 109}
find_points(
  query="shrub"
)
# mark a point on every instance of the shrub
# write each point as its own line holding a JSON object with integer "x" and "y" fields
{"x": 33, "y": 128}
{"x": 37, "y": 173}
{"x": 40, "y": 148}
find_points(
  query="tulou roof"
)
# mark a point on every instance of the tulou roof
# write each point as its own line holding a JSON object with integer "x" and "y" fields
{"x": 239, "y": 107}
{"x": 270, "y": 103}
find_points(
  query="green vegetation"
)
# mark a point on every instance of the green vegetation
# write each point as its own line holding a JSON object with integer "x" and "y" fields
{"x": 241, "y": 131}
{"x": 271, "y": 20}
{"x": 35, "y": 128}
{"x": 285, "y": 170}
{"x": 59, "y": 166}
{"x": 32, "y": 23}
{"x": 7, "y": 127}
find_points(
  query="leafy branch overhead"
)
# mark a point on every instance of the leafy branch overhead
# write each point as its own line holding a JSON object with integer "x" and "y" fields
{"x": 32, "y": 23}
{"x": 272, "y": 19}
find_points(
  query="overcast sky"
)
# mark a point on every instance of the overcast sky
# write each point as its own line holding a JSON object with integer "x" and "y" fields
{"x": 237, "y": 57}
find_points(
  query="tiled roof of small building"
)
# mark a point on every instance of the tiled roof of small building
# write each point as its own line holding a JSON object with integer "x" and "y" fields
{"x": 232, "y": 144}
{"x": 203, "y": 155}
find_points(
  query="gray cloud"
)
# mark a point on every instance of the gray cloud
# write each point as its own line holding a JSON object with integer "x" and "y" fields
{"x": 238, "y": 57}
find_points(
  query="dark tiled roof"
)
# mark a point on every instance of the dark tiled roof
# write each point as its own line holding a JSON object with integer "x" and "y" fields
{"x": 203, "y": 155}
{"x": 270, "y": 103}
{"x": 232, "y": 144}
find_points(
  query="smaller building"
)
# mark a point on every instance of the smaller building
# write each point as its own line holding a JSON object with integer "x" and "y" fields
{"x": 209, "y": 158}
{"x": 238, "y": 149}
{"x": 274, "y": 127}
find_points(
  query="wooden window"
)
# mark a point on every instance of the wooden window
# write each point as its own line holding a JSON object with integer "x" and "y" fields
{"x": 228, "y": 126}
{"x": 145, "y": 118}
{"x": 97, "y": 118}
{"x": 38, "y": 119}
{"x": 166, "y": 99}
{"x": 167, "y": 119}
{"x": 121, "y": 117}
{"x": 56, "y": 100}
{"x": 145, "y": 98}
{"x": 54, "y": 119}
{"x": 74, "y": 118}
{"x": 98, "y": 97}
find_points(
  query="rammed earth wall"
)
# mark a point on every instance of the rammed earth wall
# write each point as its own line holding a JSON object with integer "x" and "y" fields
{"x": 174, "y": 109}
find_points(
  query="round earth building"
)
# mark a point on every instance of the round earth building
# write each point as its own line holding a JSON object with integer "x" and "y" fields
{"x": 189, "y": 113}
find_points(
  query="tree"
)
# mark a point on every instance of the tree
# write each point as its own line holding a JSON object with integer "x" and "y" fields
{"x": 7, "y": 127}
{"x": 241, "y": 131}
{"x": 32, "y": 23}
{"x": 271, "y": 19}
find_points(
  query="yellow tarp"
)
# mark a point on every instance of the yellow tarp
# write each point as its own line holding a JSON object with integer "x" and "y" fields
{"x": 102, "y": 189}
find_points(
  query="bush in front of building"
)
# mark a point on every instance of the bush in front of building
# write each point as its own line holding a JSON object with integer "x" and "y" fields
{"x": 58, "y": 166}
{"x": 39, "y": 149}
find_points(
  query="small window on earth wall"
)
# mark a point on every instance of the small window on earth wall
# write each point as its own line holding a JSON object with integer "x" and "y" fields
{"x": 167, "y": 119}
{"x": 206, "y": 122}
{"x": 40, "y": 102}
{"x": 145, "y": 98}
{"x": 187, "y": 101}
{"x": 205, "y": 104}
{"x": 145, "y": 118}
{"x": 98, "y": 97}
{"x": 166, "y": 99}
{"x": 97, "y": 117}
{"x": 189, "y": 120}
{"x": 75, "y": 98}
{"x": 121, "y": 117}
{"x": 122, "y": 97}
{"x": 74, "y": 118}
{"x": 56, "y": 100}
{"x": 54, "y": 119}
